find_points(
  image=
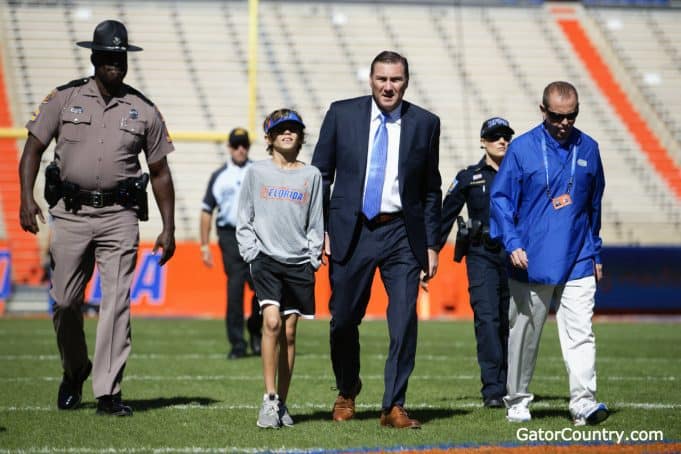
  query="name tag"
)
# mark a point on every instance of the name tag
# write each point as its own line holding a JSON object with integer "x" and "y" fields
{"x": 561, "y": 201}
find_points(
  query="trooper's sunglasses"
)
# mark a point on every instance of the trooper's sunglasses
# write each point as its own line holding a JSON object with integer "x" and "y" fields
{"x": 557, "y": 118}
{"x": 495, "y": 137}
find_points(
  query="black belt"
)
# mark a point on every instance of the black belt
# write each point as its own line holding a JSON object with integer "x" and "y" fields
{"x": 382, "y": 218}
{"x": 488, "y": 243}
{"x": 96, "y": 199}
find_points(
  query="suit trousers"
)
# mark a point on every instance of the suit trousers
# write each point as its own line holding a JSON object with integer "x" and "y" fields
{"x": 109, "y": 237}
{"x": 489, "y": 296}
{"x": 386, "y": 248}
{"x": 530, "y": 304}
{"x": 237, "y": 276}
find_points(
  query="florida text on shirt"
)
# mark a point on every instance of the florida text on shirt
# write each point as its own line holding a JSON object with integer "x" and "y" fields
{"x": 284, "y": 193}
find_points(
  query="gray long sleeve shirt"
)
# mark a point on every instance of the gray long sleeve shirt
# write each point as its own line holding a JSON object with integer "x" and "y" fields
{"x": 280, "y": 214}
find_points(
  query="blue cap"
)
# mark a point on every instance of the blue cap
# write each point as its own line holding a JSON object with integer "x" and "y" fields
{"x": 289, "y": 117}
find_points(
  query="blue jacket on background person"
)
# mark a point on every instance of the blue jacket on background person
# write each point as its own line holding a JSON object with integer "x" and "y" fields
{"x": 563, "y": 244}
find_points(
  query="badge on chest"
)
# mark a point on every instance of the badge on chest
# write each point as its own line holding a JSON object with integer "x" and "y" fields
{"x": 561, "y": 201}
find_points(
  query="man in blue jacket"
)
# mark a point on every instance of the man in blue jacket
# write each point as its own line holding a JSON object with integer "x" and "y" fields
{"x": 546, "y": 208}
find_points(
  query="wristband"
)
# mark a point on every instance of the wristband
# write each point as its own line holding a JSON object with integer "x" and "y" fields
{"x": 205, "y": 247}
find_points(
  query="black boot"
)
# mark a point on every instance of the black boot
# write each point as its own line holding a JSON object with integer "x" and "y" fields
{"x": 71, "y": 391}
{"x": 112, "y": 406}
{"x": 256, "y": 341}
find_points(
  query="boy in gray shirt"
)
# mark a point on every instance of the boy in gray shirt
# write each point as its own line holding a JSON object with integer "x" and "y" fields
{"x": 280, "y": 231}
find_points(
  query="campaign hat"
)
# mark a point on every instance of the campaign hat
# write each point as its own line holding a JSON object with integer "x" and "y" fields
{"x": 109, "y": 36}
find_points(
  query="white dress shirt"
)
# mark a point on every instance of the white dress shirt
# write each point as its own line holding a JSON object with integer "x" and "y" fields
{"x": 390, "y": 199}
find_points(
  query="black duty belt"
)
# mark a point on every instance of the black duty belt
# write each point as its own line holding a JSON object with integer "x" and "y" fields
{"x": 96, "y": 199}
{"x": 488, "y": 243}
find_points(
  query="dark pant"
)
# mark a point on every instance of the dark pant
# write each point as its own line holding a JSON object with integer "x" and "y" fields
{"x": 237, "y": 276}
{"x": 385, "y": 247}
{"x": 489, "y": 296}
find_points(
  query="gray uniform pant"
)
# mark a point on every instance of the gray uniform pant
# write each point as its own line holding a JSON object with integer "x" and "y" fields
{"x": 530, "y": 304}
{"x": 108, "y": 236}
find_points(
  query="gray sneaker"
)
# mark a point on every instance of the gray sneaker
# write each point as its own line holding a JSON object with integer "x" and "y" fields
{"x": 268, "y": 417}
{"x": 284, "y": 415}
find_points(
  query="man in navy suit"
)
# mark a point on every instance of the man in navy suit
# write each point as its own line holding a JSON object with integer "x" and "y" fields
{"x": 381, "y": 155}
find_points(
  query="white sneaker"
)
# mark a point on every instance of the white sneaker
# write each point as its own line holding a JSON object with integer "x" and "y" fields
{"x": 284, "y": 415}
{"x": 596, "y": 414}
{"x": 268, "y": 416}
{"x": 518, "y": 413}
{"x": 520, "y": 410}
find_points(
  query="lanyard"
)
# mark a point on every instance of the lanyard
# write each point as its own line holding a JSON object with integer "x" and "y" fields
{"x": 546, "y": 166}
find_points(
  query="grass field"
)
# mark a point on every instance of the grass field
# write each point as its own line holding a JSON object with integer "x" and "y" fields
{"x": 188, "y": 398}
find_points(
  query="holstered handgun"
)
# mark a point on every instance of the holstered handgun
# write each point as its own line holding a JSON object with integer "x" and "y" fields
{"x": 141, "y": 199}
{"x": 462, "y": 239}
{"x": 133, "y": 192}
{"x": 70, "y": 193}
{"x": 53, "y": 184}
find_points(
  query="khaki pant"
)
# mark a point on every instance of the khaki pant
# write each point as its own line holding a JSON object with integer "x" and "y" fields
{"x": 530, "y": 304}
{"x": 108, "y": 237}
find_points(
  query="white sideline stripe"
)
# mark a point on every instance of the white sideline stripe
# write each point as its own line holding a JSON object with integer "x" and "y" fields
{"x": 328, "y": 405}
{"x": 670, "y": 378}
{"x": 316, "y": 356}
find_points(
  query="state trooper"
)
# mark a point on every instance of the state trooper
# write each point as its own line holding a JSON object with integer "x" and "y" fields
{"x": 485, "y": 259}
{"x": 96, "y": 192}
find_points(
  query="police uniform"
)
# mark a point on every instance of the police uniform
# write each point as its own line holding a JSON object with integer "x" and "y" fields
{"x": 97, "y": 146}
{"x": 487, "y": 276}
{"x": 222, "y": 193}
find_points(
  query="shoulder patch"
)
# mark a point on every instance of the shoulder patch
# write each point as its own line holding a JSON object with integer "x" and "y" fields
{"x": 452, "y": 186}
{"x": 74, "y": 83}
{"x": 49, "y": 96}
{"x": 135, "y": 92}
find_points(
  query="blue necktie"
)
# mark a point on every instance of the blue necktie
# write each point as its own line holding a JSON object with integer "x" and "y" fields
{"x": 379, "y": 155}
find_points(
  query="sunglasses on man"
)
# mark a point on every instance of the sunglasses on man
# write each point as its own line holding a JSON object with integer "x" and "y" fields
{"x": 555, "y": 117}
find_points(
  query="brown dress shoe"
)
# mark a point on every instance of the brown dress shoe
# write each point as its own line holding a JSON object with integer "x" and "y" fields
{"x": 397, "y": 417}
{"x": 344, "y": 406}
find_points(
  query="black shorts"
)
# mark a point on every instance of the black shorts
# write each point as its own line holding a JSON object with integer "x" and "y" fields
{"x": 291, "y": 287}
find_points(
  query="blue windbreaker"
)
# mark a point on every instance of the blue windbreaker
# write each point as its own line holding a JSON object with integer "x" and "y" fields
{"x": 561, "y": 244}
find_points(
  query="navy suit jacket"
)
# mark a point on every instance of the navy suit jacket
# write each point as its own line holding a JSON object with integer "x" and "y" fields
{"x": 341, "y": 156}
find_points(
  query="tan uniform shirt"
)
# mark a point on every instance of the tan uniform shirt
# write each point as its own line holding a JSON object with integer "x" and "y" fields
{"x": 98, "y": 144}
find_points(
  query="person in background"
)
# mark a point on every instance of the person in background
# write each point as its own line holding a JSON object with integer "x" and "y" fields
{"x": 280, "y": 231}
{"x": 485, "y": 258}
{"x": 223, "y": 193}
{"x": 546, "y": 209}
{"x": 96, "y": 193}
